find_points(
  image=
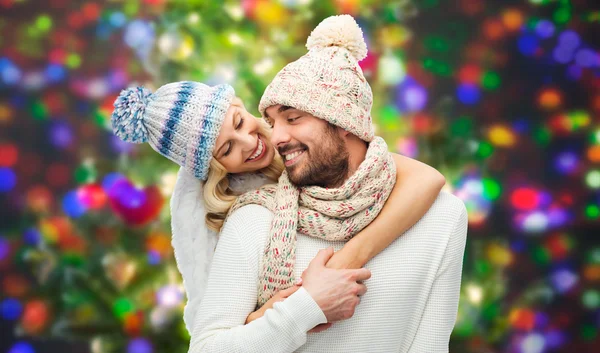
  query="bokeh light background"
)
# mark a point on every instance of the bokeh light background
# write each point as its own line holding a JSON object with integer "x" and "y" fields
{"x": 503, "y": 97}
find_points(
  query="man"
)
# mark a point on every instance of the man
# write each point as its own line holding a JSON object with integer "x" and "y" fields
{"x": 319, "y": 107}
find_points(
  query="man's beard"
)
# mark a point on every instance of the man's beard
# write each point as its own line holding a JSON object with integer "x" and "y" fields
{"x": 326, "y": 168}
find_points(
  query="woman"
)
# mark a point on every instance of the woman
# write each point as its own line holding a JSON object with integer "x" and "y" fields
{"x": 224, "y": 151}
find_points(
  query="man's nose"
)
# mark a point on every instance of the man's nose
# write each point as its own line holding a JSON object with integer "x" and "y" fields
{"x": 280, "y": 134}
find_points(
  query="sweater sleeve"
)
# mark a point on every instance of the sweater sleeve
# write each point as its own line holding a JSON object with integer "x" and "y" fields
{"x": 439, "y": 316}
{"x": 231, "y": 295}
{"x": 193, "y": 243}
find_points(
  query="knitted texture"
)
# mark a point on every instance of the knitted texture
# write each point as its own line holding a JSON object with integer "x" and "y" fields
{"x": 181, "y": 121}
{"x": 327, "y": 82}
{"x": 335, "y": 214}
{"x": 410, "y": 306}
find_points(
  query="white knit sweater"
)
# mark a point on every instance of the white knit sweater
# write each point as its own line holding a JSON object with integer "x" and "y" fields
{"x": 410, "y": 305}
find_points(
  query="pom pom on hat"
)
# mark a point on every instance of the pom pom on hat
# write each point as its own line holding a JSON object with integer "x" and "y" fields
{"x": 339, "y": 31}
{"x": 128, "y": 117}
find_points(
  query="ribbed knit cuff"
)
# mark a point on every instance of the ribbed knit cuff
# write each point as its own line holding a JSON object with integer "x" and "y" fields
{"x": 304, "y": 310}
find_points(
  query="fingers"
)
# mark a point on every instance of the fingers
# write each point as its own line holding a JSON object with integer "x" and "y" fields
{"x": 362, "y": 289}
{"x": 360, "y": 274}
{"x": 322, "y": 257}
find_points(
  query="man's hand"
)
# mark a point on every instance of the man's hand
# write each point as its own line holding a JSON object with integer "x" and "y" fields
{"x": 335, "y": 291}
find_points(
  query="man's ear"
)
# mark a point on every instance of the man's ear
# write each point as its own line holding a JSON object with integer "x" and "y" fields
{"x": 341, "y": 132}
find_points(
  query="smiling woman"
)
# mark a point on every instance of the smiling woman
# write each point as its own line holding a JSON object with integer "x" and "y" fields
{"x": 243, "y": 145}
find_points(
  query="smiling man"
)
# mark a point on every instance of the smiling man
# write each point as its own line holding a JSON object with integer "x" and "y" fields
{"x": 338, "y": 175}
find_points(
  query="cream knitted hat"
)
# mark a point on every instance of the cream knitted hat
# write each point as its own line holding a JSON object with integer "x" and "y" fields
{"x": 327, "y": 81}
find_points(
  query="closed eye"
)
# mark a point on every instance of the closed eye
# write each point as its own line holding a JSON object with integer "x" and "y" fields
{"x": 291, "y": 120}
{"x": 240, "y": 123}
{"x": 228, "y": 150}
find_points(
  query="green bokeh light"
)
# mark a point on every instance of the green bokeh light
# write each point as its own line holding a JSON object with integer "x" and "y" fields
{"x": 541, "y": 255}
{"x": 591, "y": 299}
{"x": 44, "y": 23}
{"x": 562, "y": 15}
{"x": 485, "y": 150}
{"x": 588, "y": 332}
{"x": 593, "y": 256}
{"x": 490, "y": 80}
{"x": 542, "y": 136}
{"x": 435, "y": 43}
{"x": 39, "y": 111}
{"x": 462, "y": 126}
{"x": 491, "y": 189}
{"x": 122, "y": 307}
{"x": 85, "y": 174}
{"x": 73, "y": 61}
{"x": 592, "y": 211}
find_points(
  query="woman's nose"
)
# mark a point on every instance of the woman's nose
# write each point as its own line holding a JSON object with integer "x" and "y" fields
{"x": 249, "y": 141}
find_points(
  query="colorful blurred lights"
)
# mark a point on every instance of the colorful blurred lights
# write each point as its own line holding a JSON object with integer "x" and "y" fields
{"x": 468, "y": 94}
{"x": 169, "y": 296}
{"x": 21, "y": 347}
{"x": 525, "y": 199}
{"x": 586, "y": 58}
{"x": 567, "y": 162}
{"x": 535, "y": 222}
{"x": 474, "y": 293}
{"x": 501, "y": 136}
{"x": 11, "y": 309}
{"x": 562, "y": 55}
{"x": 528, "y": 44}
{"x": 73, "y": 205}
{"x": 533, "y": 343}
{"x": 569, "y": 39}
{"x": 545, "y": 29}
{"x": 140, "y": 345}
{"x": 563, "y": 280}
{"x": 61, "y": 134}
{"x": 4, "y": 248}
{"x": 549, "y": 98}
{"x": 411, "y": 96}
{"x": 8, "y": 179}
{"x": 592, "y": 179}
{"x": 9, "y": 72}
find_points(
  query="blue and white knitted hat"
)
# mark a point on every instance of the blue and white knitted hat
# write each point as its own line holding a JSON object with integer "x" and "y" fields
{"x": 181, "y": 121}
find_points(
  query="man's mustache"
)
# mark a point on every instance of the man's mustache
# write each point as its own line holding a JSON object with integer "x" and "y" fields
{"x": 291, "y": 147}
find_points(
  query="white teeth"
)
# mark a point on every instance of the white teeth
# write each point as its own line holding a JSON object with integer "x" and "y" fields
{"x": 258, "y": 150}
{"x": 291, "y": 156}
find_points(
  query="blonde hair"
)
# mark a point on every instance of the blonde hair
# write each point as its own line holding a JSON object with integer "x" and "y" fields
{"x": 218, "y": 196}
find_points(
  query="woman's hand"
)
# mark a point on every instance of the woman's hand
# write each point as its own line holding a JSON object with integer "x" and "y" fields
{"x": 279, "y": 296}
{"x": 347, "y": 258}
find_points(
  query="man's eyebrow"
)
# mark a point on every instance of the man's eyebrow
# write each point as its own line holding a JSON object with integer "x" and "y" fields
{"x": 280, "y": 110}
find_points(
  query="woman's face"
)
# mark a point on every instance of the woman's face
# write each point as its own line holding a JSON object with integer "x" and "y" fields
{"x": 242, "y": 145}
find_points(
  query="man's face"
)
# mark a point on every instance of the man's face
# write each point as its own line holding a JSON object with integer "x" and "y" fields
{"x": 312, "y": 149}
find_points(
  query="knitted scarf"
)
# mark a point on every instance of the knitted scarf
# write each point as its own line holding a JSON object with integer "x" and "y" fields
{"x": 331, "y": 214}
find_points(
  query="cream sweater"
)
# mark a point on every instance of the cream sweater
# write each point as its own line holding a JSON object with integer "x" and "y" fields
{"x": 410, "y": 305}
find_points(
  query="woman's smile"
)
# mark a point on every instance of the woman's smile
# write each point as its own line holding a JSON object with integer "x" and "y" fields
{"x": 259, "y": 152}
